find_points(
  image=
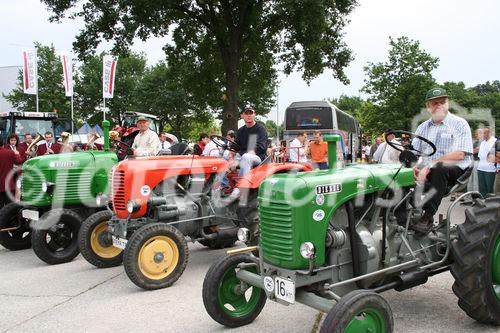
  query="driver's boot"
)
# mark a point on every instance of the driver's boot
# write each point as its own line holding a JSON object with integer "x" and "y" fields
{"x": 424, "y": 225}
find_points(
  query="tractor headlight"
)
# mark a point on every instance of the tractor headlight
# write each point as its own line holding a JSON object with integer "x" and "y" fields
{"x": 243, "y": 234}
{"x": 47, "y": 187}
{"x": 19, "y": 183}
{"x": 101, "y": 200}
{"x": 307, "y": 250}
{"x": 132, "y": 206}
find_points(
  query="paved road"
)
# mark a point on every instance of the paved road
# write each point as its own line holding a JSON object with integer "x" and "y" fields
{"x": 77, "y": 297}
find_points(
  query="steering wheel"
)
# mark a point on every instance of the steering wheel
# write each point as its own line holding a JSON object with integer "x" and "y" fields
{"x": 228, "y": 144}
{"x": 409, "y": 146}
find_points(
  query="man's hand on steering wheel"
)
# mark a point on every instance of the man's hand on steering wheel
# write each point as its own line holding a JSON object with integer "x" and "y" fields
{"x": 225, "y": 143}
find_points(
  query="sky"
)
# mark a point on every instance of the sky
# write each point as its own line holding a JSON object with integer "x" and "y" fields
{"x": 463, "y": 34}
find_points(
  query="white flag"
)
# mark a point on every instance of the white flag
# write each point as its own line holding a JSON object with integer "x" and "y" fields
{"x": 67, "y": 66}
{"x": 108, "y": 75}
{"x": 30, "y": 72}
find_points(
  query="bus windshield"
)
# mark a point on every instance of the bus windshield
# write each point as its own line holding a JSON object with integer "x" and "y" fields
{"x": 308, "y": 119}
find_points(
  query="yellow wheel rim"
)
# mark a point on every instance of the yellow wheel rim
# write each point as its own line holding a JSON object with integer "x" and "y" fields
{"x": 158, "y": 257}
{"x": 99, "y": 249}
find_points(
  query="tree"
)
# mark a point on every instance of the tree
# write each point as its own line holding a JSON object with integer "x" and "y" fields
{"x": 397, "y": 87}
{"x": 163, "y": 91}
{"x": 50, "y": 86}
{"x": 349, "y": 104}
{"x": 232, "y": 45}
{"x": 88, "y": 89}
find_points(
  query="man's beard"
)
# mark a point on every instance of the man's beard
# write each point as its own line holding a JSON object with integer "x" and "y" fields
{"x": 439, "y": 115}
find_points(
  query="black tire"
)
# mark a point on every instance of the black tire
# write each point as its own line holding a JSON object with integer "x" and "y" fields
{"x": 55, "y": 236}
{"x": 476, "y": 266}
{"x": 138, "y": 256}
{"x": 359, "y": 307}
{"x": 20, "y": 239}
{"x": 249, "y": 214}
{"x": 221, "y": 276}
{"x": 95, "y": 244}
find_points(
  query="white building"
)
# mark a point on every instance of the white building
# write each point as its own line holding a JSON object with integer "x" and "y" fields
{"x": 8, "y": 80}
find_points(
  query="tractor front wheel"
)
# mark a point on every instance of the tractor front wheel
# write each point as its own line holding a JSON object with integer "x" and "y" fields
{"x": 359, "y": 311}
{"x": 155, "y": 256}
{"x": 15, "y": 233}
{"x": 476, "y": 266}
{"x": 55, "y": 236}
{"x": 95, "y": 241}
{"x": 227, "y": 300}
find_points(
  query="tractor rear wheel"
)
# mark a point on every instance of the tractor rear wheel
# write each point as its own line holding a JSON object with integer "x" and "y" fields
{"x": 359, "y": 311}
{"x": 55, "y": 236}
{"x": 227, "y": 300}
{"x": 155, "y": 256}
{"x": 14, "y": 239}
{"x": 476, "y": 266}
{"x": 95, "y": 241}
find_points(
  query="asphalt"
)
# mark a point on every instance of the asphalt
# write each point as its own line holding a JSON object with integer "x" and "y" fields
{"x": 77, "y": 297}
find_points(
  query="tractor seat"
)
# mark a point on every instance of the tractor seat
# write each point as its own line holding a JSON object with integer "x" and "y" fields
{"x": 461, "y": 183}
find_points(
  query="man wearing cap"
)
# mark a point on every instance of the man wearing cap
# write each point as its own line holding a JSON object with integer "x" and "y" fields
{"x": 453, "y": 139}
{"x": 384, "y": 152}
{"x": 146, "y": 142}
{"x": 252, "y": 140}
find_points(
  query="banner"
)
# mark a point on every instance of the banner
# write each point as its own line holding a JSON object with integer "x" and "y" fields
{"x": 108, "y": 75}
{"x": 30, "y": 72}
{"x": 67, "y": 66}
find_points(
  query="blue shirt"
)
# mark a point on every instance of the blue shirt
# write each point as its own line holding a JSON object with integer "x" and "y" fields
{"x": 452, "y": 134}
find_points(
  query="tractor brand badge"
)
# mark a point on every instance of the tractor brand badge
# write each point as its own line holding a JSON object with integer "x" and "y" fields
{"x": 327, "y": 189}
{"x": 318, "y": 215}
{"x": 320, "y": 199}
{"x": 269, "y": 284}
{"x": 62, "y": 164}
{"x": 145, "y": 190}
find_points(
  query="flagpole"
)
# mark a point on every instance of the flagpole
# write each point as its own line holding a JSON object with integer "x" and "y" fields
{"x": 36, "y": 73}
{"x": 72, "y": 115}
{"x": 37, "y": 97}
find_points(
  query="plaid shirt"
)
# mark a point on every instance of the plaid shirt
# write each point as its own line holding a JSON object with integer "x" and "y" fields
{"x": 452, "y": 134}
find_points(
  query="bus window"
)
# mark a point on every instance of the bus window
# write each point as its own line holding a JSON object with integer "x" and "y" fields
{"x": 308, "y": 119}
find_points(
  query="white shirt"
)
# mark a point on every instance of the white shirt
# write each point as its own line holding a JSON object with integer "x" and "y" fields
{"x": 165, "y": 145}
{"x": 211, "y": 149}
{"x": 146, "y": 143}
{"x": 297, "y": 152}
{"x": 486, "y": 148}
{"x": 386, "y": 154}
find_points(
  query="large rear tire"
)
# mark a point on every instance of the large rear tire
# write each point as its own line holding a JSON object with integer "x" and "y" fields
{"x": 55, "y": 236}
{"x": 359, "y": 311}
{"x": 10, "y": 217}
{"x": 223, "y": 298}
{"x": 476, "y": 266}
{"x": 95, "y": 241}
{"x": 155, "y": 256}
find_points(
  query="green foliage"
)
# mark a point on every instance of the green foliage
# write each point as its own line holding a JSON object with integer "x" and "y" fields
{"x": 231, "y": 46}
{"x": 349, "y": 104}
{"x": 50, "y": 86}
{"x": 271, "y": 129}
{"x": 397, "y": 87}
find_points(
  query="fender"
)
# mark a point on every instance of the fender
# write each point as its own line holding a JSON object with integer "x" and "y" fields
{"x": 257, "y": 175}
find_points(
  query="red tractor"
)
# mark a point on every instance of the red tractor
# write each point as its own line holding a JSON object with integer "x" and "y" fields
{"x": 158, "y": 201}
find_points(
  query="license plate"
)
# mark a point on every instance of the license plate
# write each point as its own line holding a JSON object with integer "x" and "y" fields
{"x": 284, "y": 289}
{"x": 119, "y": 242}
{"x": 30, "y": 214}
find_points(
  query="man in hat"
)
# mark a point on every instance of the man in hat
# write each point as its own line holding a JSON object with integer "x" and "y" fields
{"x": 146, "y": 142}
{"x": 384, "y": 152}
{"x": 453, "y": 139}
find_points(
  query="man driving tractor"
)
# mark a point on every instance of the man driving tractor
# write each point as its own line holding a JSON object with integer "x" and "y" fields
{"x": 452, "y": 137}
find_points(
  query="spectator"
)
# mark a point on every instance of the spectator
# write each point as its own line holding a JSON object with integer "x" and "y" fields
{"x": 49, "y": 147}
{"x": 164, "y": 143}
{"x": 8, "y": 158}
{"x": 486, "y": 169}
{"x": 146, "y": 142}
{"x": 23, "y": 146}
{"x": 373, "y": 149}
{"x": 211, "y": 148}
{"x": 231, "y": 135}
{"x": 472, "y": 184}
{"x": 66, "y": 146}
{"x": 384, "y": 152}
{"x": 318, "y": 150}
{"x": 200, "y": 145}
{"x": 497, "y": 162}
{"x": 298, "y": 149}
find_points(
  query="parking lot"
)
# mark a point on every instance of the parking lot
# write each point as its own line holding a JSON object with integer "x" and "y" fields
{"x": 78, "y": 297}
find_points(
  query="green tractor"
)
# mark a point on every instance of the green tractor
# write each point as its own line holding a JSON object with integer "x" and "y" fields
{"x": 57, "y": 193}
{"x": 335, "y": 239}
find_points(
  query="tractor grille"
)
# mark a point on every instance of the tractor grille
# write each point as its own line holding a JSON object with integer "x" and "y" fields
{"x": 276, "y": 231}
{"x": 118, "y": 191}
{"x": 77, "y": 187}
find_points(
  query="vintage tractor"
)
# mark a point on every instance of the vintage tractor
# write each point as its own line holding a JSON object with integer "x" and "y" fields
{"x": 158, "y": 201}
{"x": 335, "y": 239}
{"x": 57, "y": 193}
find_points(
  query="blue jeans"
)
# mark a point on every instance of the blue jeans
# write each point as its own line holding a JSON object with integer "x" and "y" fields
{"x": 247, "y": 162}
